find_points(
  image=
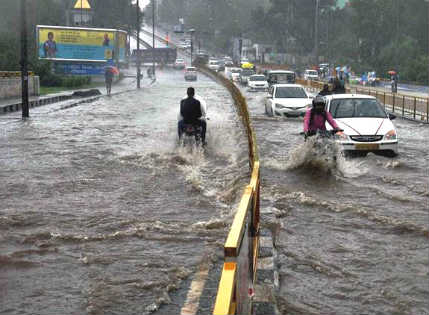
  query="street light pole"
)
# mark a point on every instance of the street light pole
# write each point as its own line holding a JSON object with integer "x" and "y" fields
{"x": 316, "y": 34}
{"x": 153, "y": 38}
{"x": 138, "y": 44}
{"x": 24, "y": 61}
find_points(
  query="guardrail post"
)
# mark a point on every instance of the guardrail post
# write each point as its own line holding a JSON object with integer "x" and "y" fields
{"x": 393, "y": 97}
{"x": 384, "y": 99}
{"x": 427, "y": 109}
{"x": 415, "y": 105}
{"x": 403, "y": 106}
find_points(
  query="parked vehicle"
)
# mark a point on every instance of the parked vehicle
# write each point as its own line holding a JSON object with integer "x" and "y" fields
{"x": 257, "y": 82}
{"x": 287, "y": 100}
{"x": 280, "y": 77}
{"x": 367, "y": 127}
{"x": 191, "y": 74}
{"x": 311, "y": 75}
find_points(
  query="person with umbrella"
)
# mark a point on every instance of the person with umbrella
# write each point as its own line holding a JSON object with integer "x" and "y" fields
{"x": 109, "y": 72}
{"x": 394, "y": 80}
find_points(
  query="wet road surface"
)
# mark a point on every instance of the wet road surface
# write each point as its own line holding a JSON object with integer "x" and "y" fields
{"x": 353, "y": 237}
{"x": 102, "y": 213}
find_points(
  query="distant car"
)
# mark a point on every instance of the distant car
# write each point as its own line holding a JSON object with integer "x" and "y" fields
{"x": 287, "y": 100}
{"x": 367, "y": 127}
{"x": 235, "y": 74}
{"x": 244, "y": 60}
{"x": 281, "y": 77}
{"x": 179, "y": 64}
{"x": 257, "y": 82}
{"x": 311, "y": 75}
{"x": 229, "y": 62}
{"x": 213, "y": 65}
{"x": 191, "y": 74}
{"x": 244, "y": 75}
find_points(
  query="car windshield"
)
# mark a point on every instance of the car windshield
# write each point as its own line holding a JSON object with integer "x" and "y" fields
{"x": 290, "y": 92}
{"x": 282, "y": 77}
{"x": 190, "y": 69}
{"x": 214, "y": 62}
{"x": 312, "y": 72}
{"x": 235, "y": 70}
{"x": 356, "y": 107}
{"x": 180, "y": 60}
{"x": 257, "y": 78}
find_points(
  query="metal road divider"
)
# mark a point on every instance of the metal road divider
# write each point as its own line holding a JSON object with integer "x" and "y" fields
{"x": 235, "y": 290}
{"x": 408, "y": 107}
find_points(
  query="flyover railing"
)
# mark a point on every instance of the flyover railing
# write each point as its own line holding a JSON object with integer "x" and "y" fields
{"x": 235, "y": 290}
{"x": 407, "y": 106}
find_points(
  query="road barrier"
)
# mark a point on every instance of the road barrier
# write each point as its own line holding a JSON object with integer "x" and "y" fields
{"x": 406, "y": 106}
{"x": 241, "y": 248}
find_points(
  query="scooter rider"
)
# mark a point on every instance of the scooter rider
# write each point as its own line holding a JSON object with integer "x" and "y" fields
{"x": 316, "y": 117}
{"x": 192, "y": 112}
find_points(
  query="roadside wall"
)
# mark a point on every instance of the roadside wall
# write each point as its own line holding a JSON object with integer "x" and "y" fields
{"x": 11, "y": 87}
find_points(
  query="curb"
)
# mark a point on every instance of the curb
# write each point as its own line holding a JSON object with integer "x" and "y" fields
{"x": 266, "y": 284}
{"x": 56, "y": 99}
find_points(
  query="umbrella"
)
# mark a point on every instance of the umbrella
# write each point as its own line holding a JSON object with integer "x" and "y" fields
{"x": 113, "y": 69}
{"x": 247, "y": 65}
{"x": 392, "y": 72}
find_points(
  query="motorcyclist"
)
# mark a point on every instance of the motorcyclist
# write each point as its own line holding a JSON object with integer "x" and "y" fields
{"x": 325, "y": 90}
{"x": 192, "y": 111}
{"x": 316, "y": 117}
{"x": 338, "y": 87}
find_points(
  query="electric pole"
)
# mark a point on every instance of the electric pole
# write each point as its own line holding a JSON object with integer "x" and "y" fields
{"x": 24, "y": 61}
{"x": 153, "y": 38}
{"x": 316, "y": 34}
{"x": 138, "y": 44}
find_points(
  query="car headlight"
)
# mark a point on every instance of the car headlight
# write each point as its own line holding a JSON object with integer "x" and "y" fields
{"x": 280, "y": 106}
{"x": 391, "y": 135}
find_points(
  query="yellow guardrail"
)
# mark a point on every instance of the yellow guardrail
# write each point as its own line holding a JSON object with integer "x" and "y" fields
{"x": 13, "y": 74}
{"x": 242, "y": 244}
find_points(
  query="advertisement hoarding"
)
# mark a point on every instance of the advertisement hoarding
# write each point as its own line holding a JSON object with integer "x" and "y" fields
{"x": 122, "y": 45}
{"x": 72, "y": 43}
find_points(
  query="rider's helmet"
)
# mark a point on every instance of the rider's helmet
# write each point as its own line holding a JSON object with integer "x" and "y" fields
{"x": 319, "y": 104}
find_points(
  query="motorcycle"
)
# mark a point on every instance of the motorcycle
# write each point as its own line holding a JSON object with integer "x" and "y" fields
{"x": 324, "y": 146}
{"x": 191, "y": 135}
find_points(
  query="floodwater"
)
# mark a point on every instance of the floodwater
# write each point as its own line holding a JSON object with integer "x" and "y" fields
{"x": 102, "y": 213}
{"x": 353, "y": 236}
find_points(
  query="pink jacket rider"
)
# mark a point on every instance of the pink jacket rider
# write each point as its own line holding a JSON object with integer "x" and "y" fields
{"x": 318, "y": 121}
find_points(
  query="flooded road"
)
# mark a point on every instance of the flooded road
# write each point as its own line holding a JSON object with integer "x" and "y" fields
{"x": 354, "y": 237}
{"x": 102, "y": 213}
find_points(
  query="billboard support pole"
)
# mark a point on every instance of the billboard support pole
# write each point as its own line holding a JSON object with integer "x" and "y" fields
{"x": 138, "y": 44}
{"x": 24, "y": 61}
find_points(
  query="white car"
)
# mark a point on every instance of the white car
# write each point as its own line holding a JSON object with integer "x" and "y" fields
{"x": 191, "y": 74}
{"x": 367, "y": 127}
{"x": 179, "y": 64}
{"x": 213, "y": 65}
{"x": 257, "y": 82}
{"x": 234, "y": 74}
{"x": 287, "y": 100}
{"x": 311, "y": 75}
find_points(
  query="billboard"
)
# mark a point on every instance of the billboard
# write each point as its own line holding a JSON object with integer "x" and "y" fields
{"x": 72, "y": 43}
{"x": 122, "y": 45}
